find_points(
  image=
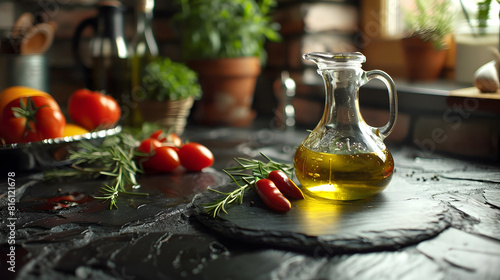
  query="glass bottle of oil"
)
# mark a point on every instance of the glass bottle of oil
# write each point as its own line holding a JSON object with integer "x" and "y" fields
{"x": 144, "y": 49}
{"x": 109, "y": 71}
{"x": 344, "y": 158}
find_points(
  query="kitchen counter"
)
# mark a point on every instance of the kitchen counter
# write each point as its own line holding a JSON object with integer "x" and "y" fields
{"x": 438, "y": 219}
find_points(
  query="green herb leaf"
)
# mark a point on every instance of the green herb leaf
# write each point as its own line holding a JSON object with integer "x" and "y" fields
{"x": 114, "y": 158}
{"x": 244, "y": 181}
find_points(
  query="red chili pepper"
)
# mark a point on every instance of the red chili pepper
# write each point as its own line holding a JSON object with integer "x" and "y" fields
{"x": 285, "y": 184}
{"x": 271, "y": 196}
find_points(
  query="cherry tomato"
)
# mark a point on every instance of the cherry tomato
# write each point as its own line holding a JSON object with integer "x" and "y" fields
{"x": 170, "y": 138}
{"x": 176, "y": 149}
{"x": 33, "y": 119}
{"x": 195, "y": 157}
{"x": 285, "y": 185}
{"x": 149, "y": 145}
{"x": 93, "y": 110}
{"x": 174, "y": 139}
{"x": 164, "y": 159}
{"x": 271, "y": 196}
{"x": 159, "y": 135}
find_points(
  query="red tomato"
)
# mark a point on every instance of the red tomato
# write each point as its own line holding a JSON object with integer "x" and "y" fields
{"x": 271, "y": 196}
{"x": 92, "y": 109}
{"x": 164, "y": 159}
{"x": 15, "y": 92}
{"x": 195, "y": 157}
{"x": 171, "y": 138}
{"x": 149, "y": 145}
{"x": 159, "y": 135}
{"x": 285, "y": 185}
{"x": 36, "y": 118}
{"x": 176, "y": 149}
{"x": 174, "y": 139}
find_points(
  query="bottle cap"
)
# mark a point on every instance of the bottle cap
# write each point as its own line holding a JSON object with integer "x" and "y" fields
{"x": 145, "y": 5}
{"x": 110, "y": 3}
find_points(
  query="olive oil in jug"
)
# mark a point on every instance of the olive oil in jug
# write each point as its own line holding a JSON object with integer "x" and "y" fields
{"x": 343, "y": 176}
{"x": 344, "y": 158}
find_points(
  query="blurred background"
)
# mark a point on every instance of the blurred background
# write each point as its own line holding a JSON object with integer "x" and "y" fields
{"x": 374, "y": 27}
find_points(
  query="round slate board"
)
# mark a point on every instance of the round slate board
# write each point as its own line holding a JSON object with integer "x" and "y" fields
{"x": 387, "y": 221}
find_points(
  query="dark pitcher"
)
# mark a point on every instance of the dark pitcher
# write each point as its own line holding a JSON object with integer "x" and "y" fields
{"x": 106, "y": 67}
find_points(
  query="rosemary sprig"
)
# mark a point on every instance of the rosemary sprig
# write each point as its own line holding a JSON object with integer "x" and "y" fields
{"x": 244, "y": 181}
{"x": 114, "y": 158}
{"x": 259, "y": 168}
{"x": 214, "y": 209}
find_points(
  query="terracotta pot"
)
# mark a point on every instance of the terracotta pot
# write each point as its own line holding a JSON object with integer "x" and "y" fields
{"x": 169, "y": 114}
{"x": 423, "y": 61}
{"x": 228, "y": 87}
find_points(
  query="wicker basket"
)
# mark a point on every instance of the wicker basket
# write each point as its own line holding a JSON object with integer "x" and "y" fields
{"x": 170, "y": 114}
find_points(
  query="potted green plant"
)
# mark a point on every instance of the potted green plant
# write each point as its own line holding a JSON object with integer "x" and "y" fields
{"x": 169, "y": 90}
{"x": 475, "y": 36}
{"x": 429, "y": 26}
{"x": 223, "y": 41}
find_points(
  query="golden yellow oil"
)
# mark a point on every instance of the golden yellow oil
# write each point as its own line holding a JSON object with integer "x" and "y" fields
{"x": 343, "y": 176}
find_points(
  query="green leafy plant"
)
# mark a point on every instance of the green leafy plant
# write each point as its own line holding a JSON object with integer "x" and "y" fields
{"x": 483, "y": 14}
{"x": 431, "y": 21}
{"x": 167, "y": 80}
{"x": 225, "y": 28}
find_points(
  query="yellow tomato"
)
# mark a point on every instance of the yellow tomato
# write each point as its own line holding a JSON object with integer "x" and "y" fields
{"x": 12, "y": 93}
{"x": 73, "y": 129}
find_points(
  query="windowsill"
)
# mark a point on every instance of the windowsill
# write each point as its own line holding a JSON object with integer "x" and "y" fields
{"x": 436, "y": 96}
{"x": 438, "y": 87}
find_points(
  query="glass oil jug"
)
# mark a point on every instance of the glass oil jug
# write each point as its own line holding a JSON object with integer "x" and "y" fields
{"x": 344, "y": 158}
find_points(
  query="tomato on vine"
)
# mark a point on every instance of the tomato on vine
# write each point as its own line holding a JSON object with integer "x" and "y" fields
{"x": 15, "y": 92}
{"x": 29, "y": 119}
{"x": 171, "y": 138}
{"x": 174, "y": 139}
{"x": 149, "y": 145}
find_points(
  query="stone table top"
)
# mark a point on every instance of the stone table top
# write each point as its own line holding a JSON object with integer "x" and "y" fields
{"x": 438, "y": 219}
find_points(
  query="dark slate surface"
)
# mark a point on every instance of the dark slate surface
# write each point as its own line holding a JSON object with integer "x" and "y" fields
{"x": 317, "y": 225}
{"x": 438, "y": 219}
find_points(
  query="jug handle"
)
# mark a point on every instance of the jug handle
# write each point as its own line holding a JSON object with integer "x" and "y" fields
{"x": 385, "y": 130}
{"x": 75, "y": 46}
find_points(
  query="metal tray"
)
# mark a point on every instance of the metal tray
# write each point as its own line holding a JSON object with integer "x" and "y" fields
{"x": 49, "y": 153}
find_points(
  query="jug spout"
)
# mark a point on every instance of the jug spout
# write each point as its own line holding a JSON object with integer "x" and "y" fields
{"x": 325, "y": 60}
